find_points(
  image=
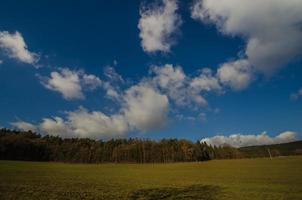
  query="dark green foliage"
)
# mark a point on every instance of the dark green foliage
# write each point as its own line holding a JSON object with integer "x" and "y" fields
{"x": 16, "y": 145}
{"x": 25, "y": 146}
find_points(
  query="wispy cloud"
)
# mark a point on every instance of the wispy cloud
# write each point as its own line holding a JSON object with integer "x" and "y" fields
{"x": 296, "y": 95}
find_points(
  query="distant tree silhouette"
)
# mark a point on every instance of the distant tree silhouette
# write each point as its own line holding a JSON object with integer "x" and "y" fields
{"x": 26, "y": 145}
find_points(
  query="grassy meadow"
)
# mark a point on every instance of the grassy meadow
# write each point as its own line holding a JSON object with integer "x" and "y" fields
{"x": 242, "y": 179}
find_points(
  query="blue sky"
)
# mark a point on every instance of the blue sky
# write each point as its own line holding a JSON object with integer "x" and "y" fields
{"x": 104, "y": 40}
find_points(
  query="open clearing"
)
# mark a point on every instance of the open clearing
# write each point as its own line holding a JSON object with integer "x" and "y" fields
{"x": 280, "y": 178}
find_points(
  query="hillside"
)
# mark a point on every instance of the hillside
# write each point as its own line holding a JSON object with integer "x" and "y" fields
{"x": 286, "y": 149}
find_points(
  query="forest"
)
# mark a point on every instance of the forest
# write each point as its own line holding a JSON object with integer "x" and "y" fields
{"x": 30, "y": 146}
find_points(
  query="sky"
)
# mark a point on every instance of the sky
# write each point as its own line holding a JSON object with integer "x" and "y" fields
{"x": 225, "y": 71}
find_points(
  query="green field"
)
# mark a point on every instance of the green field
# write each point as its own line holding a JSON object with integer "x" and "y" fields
{"x": 280, "y": 178}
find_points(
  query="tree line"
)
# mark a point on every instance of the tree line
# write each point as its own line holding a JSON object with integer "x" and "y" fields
{"x": 27, "y": 145}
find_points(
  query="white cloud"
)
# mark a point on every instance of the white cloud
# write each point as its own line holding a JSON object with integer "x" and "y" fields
{"x": 198, "y": 86}
{"x": 145, "y": 109}
{"x": 55, "y": 126}
{"x": 271, "y": 28}
{"x": 182, "y": 89}
{"x": 205, "y": 81}
{"x": 171, "y": 80}
{"x": 111, "y": 91}
{"x": 167, "y": 75}
{"x": 66, "y": 82}
{"x": 15, "y": 47}
{"x": 143, "y": 106}
{"x": 237, "y": 74}
{"x": 158, "y": 25}
{"x": 24, "y": 126}
{"x": 1, "y": 61}
{"x": 241, "y": 140}
{"x": 71, "y": 83}
{"x": 80, "y": 123}
{"x": 91, "y": 81}
{"x": 296, "y": 95}
{"x": 96, "y": 124}
{"x": 111, "y": 86}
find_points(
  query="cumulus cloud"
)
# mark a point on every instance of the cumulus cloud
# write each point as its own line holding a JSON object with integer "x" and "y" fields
{"x": 184, "y": 90}
{"x": 55, "y": 126}
{"x": 15, "y": 47}
{"x": 71, "y": 83}
{"x": 145, "y": 108}
{"x": 97, "y": 124}
{"x": 80, "y": 123}
{"x": 271, "y": 28}
{"x": 236, "y": 74}
{"x": 241, "y": 140}
{"x": 158, "y": 25}
{"x": 198, "y": 86}
{"x": 167, "y": 75}
{"x": 205, "y": 81}
{"x": 171, "y": 80}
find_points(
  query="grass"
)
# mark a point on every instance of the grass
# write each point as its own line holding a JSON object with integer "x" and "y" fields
{"x": 245, "y": 179}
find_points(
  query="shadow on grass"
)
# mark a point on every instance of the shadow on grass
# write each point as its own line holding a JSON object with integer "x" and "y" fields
{"x": 196, "y": 192}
